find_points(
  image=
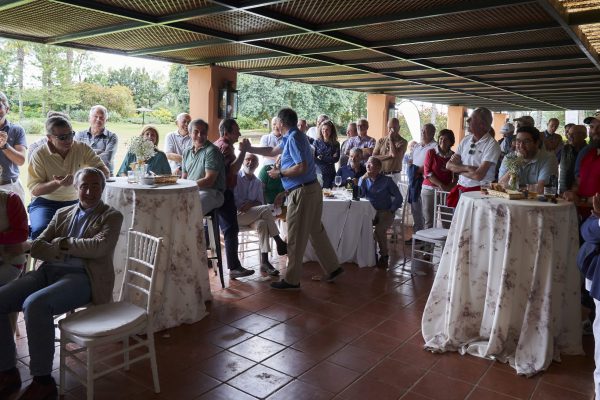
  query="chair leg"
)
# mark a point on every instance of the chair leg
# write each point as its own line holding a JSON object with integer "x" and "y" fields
{"x": 153, "y": 364}
{"x": 62, "y": 367}
{"x": 217, "y": 236}
{"x": 126, "y": 353}
{"x": 90, "y": 374}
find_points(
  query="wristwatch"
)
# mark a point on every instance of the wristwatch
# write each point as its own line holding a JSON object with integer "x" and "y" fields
{"x": 4, "y": 147}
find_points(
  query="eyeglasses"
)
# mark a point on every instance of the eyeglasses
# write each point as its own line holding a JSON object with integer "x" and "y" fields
{"x": 65, "y": 137}
{"x": 472, "y": 151}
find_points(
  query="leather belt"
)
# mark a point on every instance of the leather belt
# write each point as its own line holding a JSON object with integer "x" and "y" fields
{"x": 302, "y": 185}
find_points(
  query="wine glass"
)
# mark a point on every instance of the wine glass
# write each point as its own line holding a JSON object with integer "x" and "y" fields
{"x": 338, "y": 181}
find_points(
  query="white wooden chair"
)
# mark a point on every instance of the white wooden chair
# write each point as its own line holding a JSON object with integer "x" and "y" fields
{"x": 123, "y": 321}
{"x": 434, "y": 236}
{"x": 248, "y": 240}
{"x": 400, "y": 217}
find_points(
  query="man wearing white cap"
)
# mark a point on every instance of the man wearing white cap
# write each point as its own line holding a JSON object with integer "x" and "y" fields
{"x": 507, "y": 131}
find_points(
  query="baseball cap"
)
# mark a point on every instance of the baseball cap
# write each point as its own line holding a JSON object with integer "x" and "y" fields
{"x": 507, "y": 128}
{"x": 525, "y": 120}
{"x": 589, "y": 119}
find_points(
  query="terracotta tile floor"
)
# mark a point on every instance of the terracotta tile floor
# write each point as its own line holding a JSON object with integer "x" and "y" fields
{"x": 356, "y": 339}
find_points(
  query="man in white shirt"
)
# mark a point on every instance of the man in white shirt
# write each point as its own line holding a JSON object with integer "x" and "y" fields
{"x": 273, "y": 139}
{"x": 177, "y": 141}
{"x": 418, "y": 160}
{"x": 252, "y": 211}
{"x": 476, "y": 156}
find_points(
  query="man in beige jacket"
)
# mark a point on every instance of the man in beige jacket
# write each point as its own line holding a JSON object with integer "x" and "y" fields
{"x": 77, "y": 250}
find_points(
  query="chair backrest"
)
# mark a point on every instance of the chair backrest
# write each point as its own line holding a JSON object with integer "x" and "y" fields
{"x": 442, "y": 213}
{"x": 140, "y": 270}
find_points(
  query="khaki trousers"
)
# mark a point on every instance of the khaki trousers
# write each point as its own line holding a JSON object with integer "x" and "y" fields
{"x": 383, "y": 221}
{"x": 261, "y": 220}
{"x": 305, "y": 206}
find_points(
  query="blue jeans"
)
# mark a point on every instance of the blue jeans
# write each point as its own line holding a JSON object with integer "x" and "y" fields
{"x": 41, "y": 211}
{"x": 42, "y": 294}
{"x": 229, "y": 227}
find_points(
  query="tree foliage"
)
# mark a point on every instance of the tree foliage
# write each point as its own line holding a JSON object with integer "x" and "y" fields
{"x": 177, "y": 87}
{"x": 117, "y": 98}
{"x": 261, "y": 98}
{"x": 146, "y": 89}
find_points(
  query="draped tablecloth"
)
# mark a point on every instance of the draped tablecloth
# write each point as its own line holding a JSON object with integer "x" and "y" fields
{"x": 174, "y": 213}
{"x": 507, "y": 286}
{"x": 349, "y": 225}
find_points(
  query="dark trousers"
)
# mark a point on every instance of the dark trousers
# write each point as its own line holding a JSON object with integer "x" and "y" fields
{"x": 229, "y": 226}
{"x": 41, "y": 211}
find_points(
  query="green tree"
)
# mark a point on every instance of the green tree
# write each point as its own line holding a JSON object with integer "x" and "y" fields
{"x": 146, "y": 89}
{"x": 177, "y": 88}
{"x": 118, "y": 98}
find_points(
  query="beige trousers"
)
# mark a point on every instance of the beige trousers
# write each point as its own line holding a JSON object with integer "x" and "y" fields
{"x": 305, "y": 206}
{"x": 383, "y": 221}
{"x": 261, "y": 220}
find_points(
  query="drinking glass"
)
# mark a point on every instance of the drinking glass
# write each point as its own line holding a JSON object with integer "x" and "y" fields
{"x": 338, "y": 181}
{"x": 131, "y": 177}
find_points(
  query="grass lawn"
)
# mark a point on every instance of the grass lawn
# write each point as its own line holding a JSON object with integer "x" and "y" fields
{"x": 125, "y": 131}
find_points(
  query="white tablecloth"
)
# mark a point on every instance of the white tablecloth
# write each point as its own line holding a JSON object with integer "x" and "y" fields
{"x": 349, "y": 225}
{"x": 507, "y": 285}
{"x": 174, "y": 213}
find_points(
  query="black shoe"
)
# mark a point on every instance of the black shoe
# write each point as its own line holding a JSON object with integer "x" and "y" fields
{"x": 40, "y": 391}
{"x": 282, "y": 248}
{"x": 240, "y": 272}
{"x": 269, "y": 269}
{"x": 283, "y": 285}
{"x": 10, "y": 382}
{"x": 331, "y": 277}
{"x": 383, "y": 262}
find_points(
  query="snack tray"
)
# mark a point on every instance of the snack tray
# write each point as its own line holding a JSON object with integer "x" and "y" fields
{"x": 505, "y": 195}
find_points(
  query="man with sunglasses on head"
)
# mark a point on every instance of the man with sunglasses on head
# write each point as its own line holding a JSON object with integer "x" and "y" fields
{"x": 51, "y": 170}
{"x": 476, "y": 156}
{"x": 12, "y": 151}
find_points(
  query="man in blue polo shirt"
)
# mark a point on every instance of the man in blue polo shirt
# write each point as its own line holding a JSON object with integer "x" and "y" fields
{"x": 384, "y": 195}
{"x": 12, "y": 151}
{"x": 305, "y": 202}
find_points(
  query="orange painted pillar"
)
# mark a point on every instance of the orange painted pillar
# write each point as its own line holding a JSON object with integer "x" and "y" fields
{"x": 204, "y": 84}
{"x": 378, "y": 106}
{"x": 456, "y": 122}
{"x": 499, "y": 121}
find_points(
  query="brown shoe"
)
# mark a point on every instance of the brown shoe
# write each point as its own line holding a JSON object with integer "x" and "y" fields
{"x": 40, "y": 391}
{"x": 10, "y": 382}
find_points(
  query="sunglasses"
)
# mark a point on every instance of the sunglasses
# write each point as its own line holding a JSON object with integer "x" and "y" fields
{"x": 65, "y": 137}
{"x": 472, "y": 151}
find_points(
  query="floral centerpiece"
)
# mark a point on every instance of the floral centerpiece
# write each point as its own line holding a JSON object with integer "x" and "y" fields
{"x": 143, "y": 150}
{"x": 513, "y": 162}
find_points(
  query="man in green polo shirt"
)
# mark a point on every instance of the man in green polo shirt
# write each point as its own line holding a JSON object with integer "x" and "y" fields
{"x": 204, "y": 163}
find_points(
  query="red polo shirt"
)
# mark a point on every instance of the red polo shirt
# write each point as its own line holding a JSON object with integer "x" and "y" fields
{"x": 589, "y": 174}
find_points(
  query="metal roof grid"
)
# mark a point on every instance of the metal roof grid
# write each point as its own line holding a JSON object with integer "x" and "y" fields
{"x": 143, "y": 38}
{"x": 53, "y": 19}
{"x": 157, "y": 7}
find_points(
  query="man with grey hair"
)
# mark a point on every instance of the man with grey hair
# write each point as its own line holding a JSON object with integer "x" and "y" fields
{"x": 77, "y": 250}
{"x": 51, "y": 170}
{"x": 476, "y": 156}
{"x": 177, "y": 141}
{"x": 100, "y": 139}
{"x": 12, "y": 151}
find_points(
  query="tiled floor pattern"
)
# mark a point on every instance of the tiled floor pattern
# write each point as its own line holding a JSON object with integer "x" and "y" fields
{"x": 356, "y": 339}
